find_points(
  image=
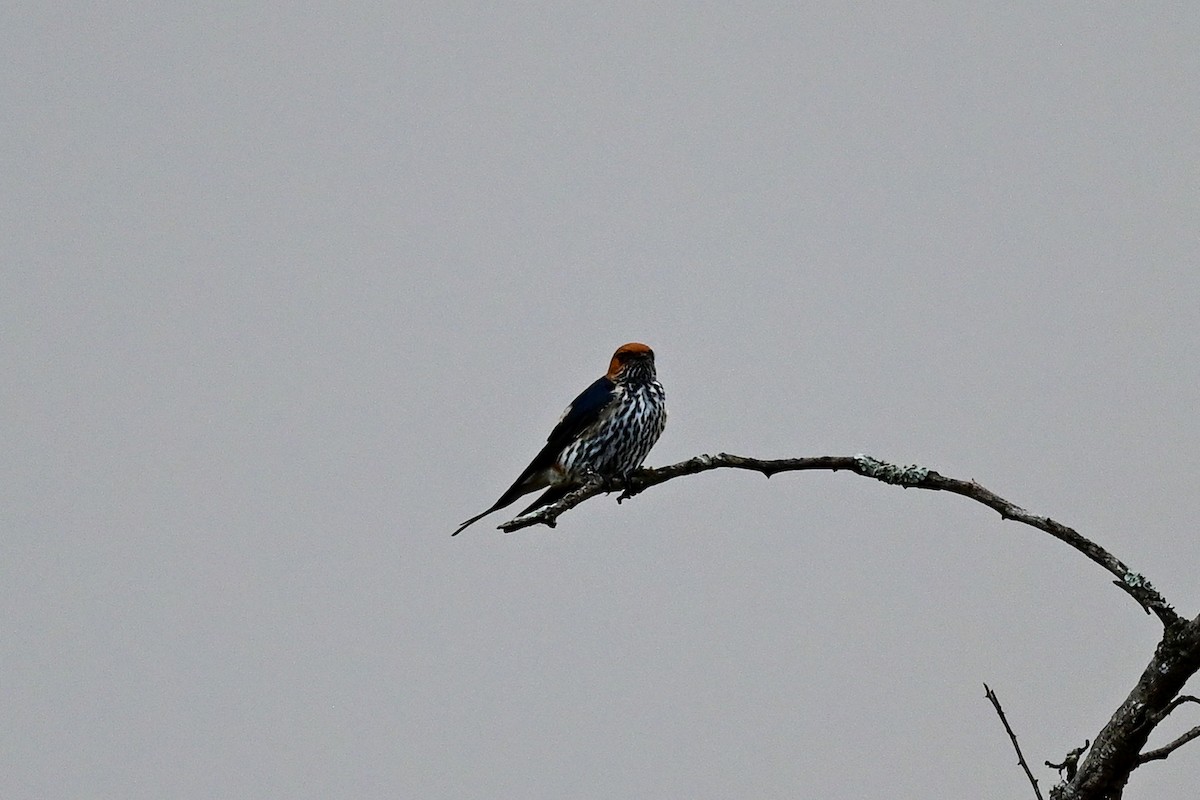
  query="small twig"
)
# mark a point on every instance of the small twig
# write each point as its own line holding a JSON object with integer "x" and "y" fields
{"x": 1176, "y": 703}
{"x": 548, "y": 515}
{"x": 1167, "y": 749}
{"x": 990, "y": 695}
{"x": 1070, "y": 763}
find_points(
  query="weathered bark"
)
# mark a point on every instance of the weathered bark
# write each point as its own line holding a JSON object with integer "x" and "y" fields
{"x": 1118, "y": 748}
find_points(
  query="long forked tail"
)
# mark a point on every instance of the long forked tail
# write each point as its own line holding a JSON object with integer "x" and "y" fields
{"x": 547, "y": 497}
{"x": 472, "y": 521}
{"x": 514, "y": 491}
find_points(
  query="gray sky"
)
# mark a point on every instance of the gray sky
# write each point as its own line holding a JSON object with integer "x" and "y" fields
{"x": 291, "y": 291}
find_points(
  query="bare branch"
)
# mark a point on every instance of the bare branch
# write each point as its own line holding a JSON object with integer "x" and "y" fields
{"x": 1166, "y": 750}
{"x": 548, "y": 515}
{"x": 1177, "y": 702}
{"x": 990, "y": 695}
{"x": 915, "y": 477}
{"x": 1070, "y": 764}
{"x": 1117, "y": 751}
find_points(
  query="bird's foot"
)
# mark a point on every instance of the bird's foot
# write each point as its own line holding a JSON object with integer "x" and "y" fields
{"x": 627, "y": 489}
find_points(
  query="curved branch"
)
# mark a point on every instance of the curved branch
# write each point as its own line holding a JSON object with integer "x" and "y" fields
{"x": 1117, "y": 750}
{"x": 1167, "y": 749}
{"x": 909, "y": 477}
{"x": 1177, "y": 702}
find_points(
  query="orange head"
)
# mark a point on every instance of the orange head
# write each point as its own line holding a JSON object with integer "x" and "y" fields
{"x": 634, "y": 352}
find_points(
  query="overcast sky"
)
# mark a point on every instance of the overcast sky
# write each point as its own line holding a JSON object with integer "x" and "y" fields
{"x": 289, "y": 292}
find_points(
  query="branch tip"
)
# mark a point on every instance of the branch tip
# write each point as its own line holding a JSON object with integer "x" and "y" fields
{"x": 991, "y": 696}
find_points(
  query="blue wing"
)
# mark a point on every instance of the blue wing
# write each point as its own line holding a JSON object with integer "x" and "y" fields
{"x": 583, "y": 411}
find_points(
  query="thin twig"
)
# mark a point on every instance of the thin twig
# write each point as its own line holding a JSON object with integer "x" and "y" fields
{"x": 1177, "y": 702}
{"x": 914, "y": 477}
{"x": 990, "y": 695}
{"x": 1167, "y": 749}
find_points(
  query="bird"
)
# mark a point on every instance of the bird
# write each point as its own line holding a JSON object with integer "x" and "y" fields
{"x": 607, "y": 431}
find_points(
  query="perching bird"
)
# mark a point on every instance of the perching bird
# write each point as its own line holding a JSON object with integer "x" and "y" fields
{"x": 607, "y": 431}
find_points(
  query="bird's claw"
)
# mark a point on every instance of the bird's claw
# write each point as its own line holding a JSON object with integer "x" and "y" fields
{"x": 627, "y": 489}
